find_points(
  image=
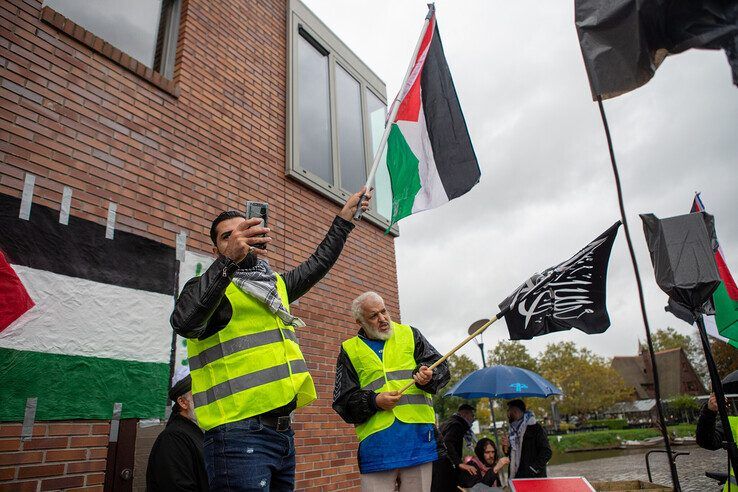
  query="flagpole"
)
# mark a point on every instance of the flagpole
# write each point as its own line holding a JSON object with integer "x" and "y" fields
{"x": 649, "y": 340}
{"x": 717, "y": 388}
{"x": 393, "y": 112}
{"x": 501, "y": 314}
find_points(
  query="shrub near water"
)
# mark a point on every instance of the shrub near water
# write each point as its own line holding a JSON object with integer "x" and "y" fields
{"x": 612, "y": 438}
{"x": 609, "y": 423}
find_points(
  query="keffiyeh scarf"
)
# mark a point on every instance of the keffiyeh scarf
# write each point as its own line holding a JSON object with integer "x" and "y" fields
{"x": 260, "y": 282}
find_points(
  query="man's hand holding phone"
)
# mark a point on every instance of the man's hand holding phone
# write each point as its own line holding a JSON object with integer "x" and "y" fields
{"x": 245, "y": 238}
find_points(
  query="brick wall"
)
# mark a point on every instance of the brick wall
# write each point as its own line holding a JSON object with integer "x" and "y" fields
{"x": 173, "y": 156}
{"x": 60, "y": 455}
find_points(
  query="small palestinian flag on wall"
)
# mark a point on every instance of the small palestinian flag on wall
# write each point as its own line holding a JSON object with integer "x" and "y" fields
{"x": 84, "y": 320}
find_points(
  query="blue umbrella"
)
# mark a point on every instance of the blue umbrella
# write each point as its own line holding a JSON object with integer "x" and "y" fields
{"x": 503, "y": 382}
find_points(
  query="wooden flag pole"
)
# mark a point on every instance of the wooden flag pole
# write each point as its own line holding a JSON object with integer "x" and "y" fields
{"x": 393, "y": 112}
{"x": 457, "y": 347}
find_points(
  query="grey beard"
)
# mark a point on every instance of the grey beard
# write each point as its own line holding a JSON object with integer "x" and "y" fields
{"x": 376, "y": 335}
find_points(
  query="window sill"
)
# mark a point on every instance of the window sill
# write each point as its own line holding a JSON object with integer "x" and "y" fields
{"x": 100, "y": 46}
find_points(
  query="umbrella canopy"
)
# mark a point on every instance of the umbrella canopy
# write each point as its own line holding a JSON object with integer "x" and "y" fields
{"x": 503, "y": 382}
{"x": 730, "y": 383}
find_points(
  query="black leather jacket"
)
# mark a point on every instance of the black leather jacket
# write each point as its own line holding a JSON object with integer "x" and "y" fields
{"x": 202, "y": 308}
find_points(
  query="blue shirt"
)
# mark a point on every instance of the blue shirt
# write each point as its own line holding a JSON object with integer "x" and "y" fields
{"x": 399, "y": 445}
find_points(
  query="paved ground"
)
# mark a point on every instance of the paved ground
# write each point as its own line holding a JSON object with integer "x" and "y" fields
{"x": 691, "y": 469}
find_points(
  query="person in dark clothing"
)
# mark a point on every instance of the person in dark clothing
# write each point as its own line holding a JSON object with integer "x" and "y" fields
{"x": 527, "y": 445}
{"x": 710, "y": 433}
{"x": 446, "y": 470}
{"x": 487, "y": 464}
{"x": 176, "y": 461}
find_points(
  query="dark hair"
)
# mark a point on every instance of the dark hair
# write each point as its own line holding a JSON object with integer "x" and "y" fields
{"x": 517, "y": 404}
{"x": 481, "y": 446}
{"x": 228, "y": 214}
{"x": 467, "y": 407}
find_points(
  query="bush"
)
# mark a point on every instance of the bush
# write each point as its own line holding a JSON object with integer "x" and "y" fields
{"x": 612, "y": 424}
{"x": 566, "y": 427}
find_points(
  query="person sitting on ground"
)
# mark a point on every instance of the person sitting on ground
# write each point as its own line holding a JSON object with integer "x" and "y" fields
{"x": 486, "y": 463}
{"x": 527, "y": 444}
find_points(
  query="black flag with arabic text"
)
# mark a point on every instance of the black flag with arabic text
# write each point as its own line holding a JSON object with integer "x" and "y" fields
{"x": 570, "y": 295}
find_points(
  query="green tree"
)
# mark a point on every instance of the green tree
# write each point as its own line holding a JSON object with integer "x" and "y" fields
{"x": 684, "y": 406}
{"x": 511, "y": 353}
{"x": 459, "y": 366}
{"x": 587, "y": 380}
{"x": 726, "y": 357}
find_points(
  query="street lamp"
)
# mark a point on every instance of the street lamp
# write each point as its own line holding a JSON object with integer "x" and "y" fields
{"x": 479, "y": 339}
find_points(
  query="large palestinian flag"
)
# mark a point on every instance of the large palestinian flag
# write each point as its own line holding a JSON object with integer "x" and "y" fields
{"x": 725, "y": 297}
{"x": 84, "y": 320}
{"x": 429, "y": 153}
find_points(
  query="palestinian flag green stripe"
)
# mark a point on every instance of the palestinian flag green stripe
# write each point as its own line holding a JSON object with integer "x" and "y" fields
{"x": 68, "y": 386}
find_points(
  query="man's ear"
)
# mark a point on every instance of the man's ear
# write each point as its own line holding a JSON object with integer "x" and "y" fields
{"x": 183, "y": 403}
{"x": 358, "y": 322}
{"x": 215, "y": 251}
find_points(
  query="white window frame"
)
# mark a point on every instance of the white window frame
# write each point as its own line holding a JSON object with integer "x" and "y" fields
{"x": 301, "y": 18}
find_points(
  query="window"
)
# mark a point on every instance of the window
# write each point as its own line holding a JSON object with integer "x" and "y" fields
{"x": 143, "y": 29}
{"x": 336, "y": 114}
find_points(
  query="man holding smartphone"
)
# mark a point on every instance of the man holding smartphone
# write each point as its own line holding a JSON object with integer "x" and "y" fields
{"x": 248, "y": 373}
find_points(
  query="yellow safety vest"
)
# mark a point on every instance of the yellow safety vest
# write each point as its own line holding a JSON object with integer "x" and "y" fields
{"x": 253, "y": 365}
{"x": 734, "y": 429}
{"x": 391, "y": 373}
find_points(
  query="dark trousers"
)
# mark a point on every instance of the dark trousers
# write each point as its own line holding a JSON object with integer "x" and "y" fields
{"x": 249, "y": 456}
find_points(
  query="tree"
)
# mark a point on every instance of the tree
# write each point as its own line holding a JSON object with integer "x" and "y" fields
{"x": 459, "y": 366}
{"x": 684, "y": 405}
{"x": 726, "y": 357}
{"x": 511, "y": 353}
{"x": 587, "y": 380}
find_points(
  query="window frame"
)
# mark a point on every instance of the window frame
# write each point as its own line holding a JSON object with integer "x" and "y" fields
{"x": 301, "y": 22}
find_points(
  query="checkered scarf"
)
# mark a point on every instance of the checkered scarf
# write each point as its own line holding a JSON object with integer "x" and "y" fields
{"x": 260, "y": 282}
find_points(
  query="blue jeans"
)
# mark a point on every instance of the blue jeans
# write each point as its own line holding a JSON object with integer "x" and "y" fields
{"x": 248, "y": 456}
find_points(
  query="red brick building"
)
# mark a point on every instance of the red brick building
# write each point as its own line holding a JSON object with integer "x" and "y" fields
{"x": 210, "y": 105}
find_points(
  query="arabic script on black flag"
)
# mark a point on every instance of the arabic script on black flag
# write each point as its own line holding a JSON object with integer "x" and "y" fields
{"x": 574, "y": 296}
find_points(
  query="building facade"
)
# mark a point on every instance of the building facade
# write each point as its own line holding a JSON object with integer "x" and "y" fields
{"x": 150, "y": 121}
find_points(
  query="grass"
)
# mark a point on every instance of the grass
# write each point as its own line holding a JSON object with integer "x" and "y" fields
{"x": 612, "y": 438}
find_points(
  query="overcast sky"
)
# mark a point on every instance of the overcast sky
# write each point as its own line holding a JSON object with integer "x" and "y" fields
{"x": 547, "y": 187}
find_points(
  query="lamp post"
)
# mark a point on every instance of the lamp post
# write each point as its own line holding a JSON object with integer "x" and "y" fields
{"x": 480, "y": 343}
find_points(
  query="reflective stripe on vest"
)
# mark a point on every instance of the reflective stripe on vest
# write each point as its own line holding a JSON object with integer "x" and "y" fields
{"x": 253, "y": 365}
{"x": 393, "y": 372}
{"x": 731, "y": 479}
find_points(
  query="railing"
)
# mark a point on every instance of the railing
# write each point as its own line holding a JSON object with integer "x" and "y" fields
{"x": 674, "y": 455}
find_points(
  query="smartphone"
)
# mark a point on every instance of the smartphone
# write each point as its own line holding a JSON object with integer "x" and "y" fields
{"x": 260, "y": 210}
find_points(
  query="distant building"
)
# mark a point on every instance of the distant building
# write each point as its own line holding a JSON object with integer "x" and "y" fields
{"x": 676, "y": 374}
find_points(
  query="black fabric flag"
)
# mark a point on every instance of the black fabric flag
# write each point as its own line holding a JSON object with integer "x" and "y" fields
{"x": 624, "y": 41}
{"x": 569, "y": 295}
{"x": 682, "y": 255}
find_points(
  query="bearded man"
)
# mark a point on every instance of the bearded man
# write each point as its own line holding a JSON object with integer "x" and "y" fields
{"x": 398, "y": 439}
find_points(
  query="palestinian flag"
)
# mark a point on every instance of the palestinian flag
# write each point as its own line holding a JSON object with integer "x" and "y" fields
{"x": 429, "y": 153}
{"x": 725, "y": 297}
{"x": 84, "y": 320}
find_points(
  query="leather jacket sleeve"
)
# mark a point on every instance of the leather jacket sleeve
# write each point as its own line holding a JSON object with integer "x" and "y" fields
{"x": 301, "y": 279}
{"x": 354, "y": 405}
{"x": 426, "y": 355}
{"x": 203, "y": 296}
{"x": 709, "y": 430}
{"x": 200, "y": 297}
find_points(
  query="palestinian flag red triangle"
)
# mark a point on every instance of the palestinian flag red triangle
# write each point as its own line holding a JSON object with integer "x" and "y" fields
{"x": 15, "y": 299}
